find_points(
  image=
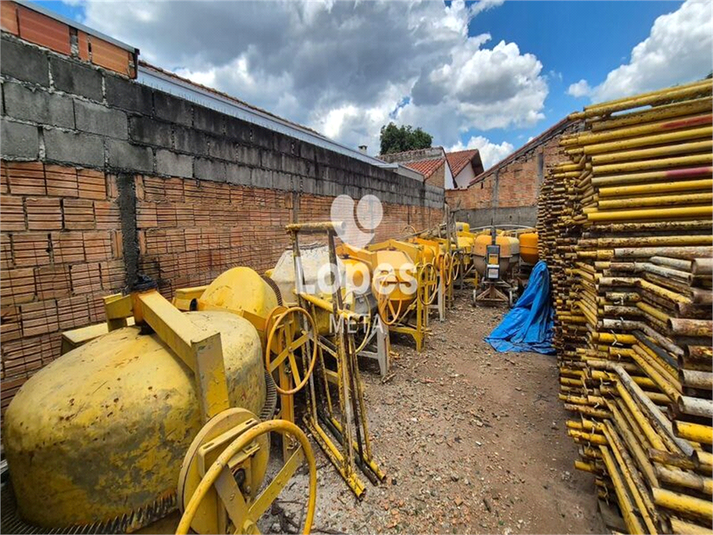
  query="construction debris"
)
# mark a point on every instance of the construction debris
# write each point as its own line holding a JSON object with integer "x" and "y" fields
{"x": 626, "y": 230}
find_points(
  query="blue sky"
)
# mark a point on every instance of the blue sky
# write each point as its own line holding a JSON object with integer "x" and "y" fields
{"x": 573, "y": 40}
{"x": 488, "y": 74}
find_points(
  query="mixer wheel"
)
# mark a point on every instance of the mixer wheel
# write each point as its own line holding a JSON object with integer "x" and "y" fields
{"x": 427, "y": 283}
{"x": 445, "y": 266}
{"x": 232, "y": 465}
{"x": 287, "y": 339}
{"x": 389, "y": 312}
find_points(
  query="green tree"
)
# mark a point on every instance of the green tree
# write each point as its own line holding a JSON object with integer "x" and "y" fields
{"x": 402, "y": 138}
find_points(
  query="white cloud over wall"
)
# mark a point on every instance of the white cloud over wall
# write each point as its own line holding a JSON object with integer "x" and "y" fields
{"x": 679, "y": 49}
{"x": 490, "y": 153}
{"x": 344, "y": 68}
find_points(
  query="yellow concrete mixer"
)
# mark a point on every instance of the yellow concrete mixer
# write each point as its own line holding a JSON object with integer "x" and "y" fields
{"x": 529, "y": 254}
{"x": 171, "y": 412}
{"x": 404, "y": 282}
{"x": 496, "y": 259}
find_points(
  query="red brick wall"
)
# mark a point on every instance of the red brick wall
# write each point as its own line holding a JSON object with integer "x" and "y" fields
{"x": 438, "y": 178}
{"x": 61, "y": 246}
{"x": 518, "y": 183}
{"x": 61, "y": 252}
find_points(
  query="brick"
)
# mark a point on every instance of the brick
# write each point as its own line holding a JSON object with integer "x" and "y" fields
{"x": 184, "y": 215}
{"x": 79, "y": 148}
{"x": 18, "y": 286}
{"x": 174, "y": 189}
{"x": 26, "y": 178}
{"x": 4, "y": 184}
{"x": 98, "y": 119}
{"x": 128, "y": 95}
{"x": 117, "y": 244}
{"x": 107, "y": 215}
{"x": 123, "y": 155}
{"x": 112, "y": 187}
{"x": 61, "y": 181}
{"x": 21, "y": 141}
{"x": 24, "y": 62}
{"x": 10, "y": 328}
{"x": 12, "y": 216}
{"x": 73, "y": 312}
{"x": 86, "y": 278}
{"x": 92, "y": 184}
{"x": 97, "y": 246}
{"x": 78, "y": 214}
{"x": 40, "y": 29}
{"x": 23, "y": 357}
{"x": 173, "y": 109}
{"x": 173, "y": 164}
{"x": 154, "y": 188}
{"x": 67, "y": 247}
{"x": 52, "y": 282}
{"x": 192, "y": 238}
{"x": 73, "y": 77}
{"x": 39, "y": 318}
{"x": 43, "y": 213}
{"x": 113, "y": 275}
{"x": 145, "y": 130}
{"x": 8, "y": 17}
{"x": 146, "y": 215}
{"x": 5, "y": 251}
{"x": 36, "y": 105}
{"x": 111, "y": 57}
{"x": 83, "y": 45}
{"x": 96, "y": 307}
{"x": 166, "y": 214}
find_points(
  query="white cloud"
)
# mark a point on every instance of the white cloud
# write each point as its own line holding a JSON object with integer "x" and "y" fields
{"x": 679, "y": 49}
{"x": 490, "y": 153}
{"x": 344, "y": 68}
{"x": 579, "y": 89}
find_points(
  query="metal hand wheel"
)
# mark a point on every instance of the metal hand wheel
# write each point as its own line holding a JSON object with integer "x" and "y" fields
{"x": 457, "y": 264}
{"x": 223, "y": 500}
{"x": 286, "y": 337}
{"x": 446, "y": 266}
{"x": 427, "y": 277}
{"x": 352, "y": 304}
{"x": 388, "y": 312}
{"x": 409, "y": 229}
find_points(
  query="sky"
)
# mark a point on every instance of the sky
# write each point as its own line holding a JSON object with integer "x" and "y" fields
{"x": 490, "y": 74}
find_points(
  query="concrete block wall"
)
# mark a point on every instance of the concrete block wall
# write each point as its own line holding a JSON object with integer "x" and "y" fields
{"x": 103, "y": 178}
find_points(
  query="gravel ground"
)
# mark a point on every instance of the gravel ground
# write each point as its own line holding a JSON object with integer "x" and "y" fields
{"x": 472, "y": 441}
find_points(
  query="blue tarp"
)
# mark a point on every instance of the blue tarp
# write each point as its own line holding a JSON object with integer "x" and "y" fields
{"x": 528, "y": 326}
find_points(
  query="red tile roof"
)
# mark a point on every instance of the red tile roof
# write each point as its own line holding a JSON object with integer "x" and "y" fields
{"x": 458, "y": 160}
{"x": 426, "y": 167}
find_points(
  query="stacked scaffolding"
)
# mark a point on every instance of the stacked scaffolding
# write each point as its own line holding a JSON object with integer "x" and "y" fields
{"x": 626, "y": 230}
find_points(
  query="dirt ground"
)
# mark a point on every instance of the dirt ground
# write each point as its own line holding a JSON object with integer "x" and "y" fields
{"x": 471, "y": 440}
